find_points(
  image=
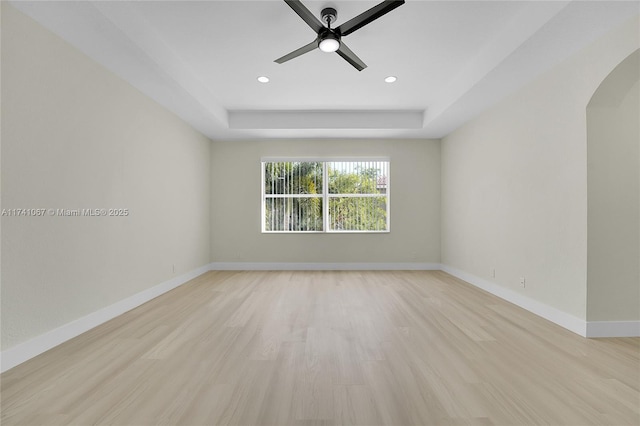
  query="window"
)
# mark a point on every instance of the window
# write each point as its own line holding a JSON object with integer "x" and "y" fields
{"x": 325, "y": 196}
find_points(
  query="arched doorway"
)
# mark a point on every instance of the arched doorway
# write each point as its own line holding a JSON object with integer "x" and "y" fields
{"x": 613, "y": 188}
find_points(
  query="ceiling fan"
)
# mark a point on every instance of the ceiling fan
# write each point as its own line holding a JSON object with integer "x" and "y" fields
{"x": 329, "y": 39}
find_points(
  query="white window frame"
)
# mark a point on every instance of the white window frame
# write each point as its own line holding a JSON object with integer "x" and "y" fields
{"x": 325, "y": 195}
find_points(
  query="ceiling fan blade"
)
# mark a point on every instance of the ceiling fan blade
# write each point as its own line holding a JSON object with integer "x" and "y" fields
{"x": 366, "y": 17}
{"x": 350, "y": 57}
{"x": 305, "y": 14}
{"x": 301, "y": 51}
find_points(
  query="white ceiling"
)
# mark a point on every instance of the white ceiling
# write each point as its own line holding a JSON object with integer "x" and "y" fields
{"x": 453, "y": 59}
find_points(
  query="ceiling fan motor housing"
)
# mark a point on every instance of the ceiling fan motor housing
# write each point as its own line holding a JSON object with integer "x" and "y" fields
{"x": 329, "y": 15}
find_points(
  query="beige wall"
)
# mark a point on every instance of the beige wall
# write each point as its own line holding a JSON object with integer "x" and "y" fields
{"x": 613, "y": 126}
{"x": 415, "y": 204}
{"x": 76, "y": 136}
{"x": 514, "y": 182}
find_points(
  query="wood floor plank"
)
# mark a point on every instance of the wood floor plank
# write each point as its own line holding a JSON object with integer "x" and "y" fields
{"x": 355, "y": 406}
{"x": 327, "y": 348}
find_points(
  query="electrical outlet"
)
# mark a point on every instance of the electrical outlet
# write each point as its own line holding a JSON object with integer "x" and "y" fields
{"x": 493, "y": 272}
{"x": 522, "y": 281}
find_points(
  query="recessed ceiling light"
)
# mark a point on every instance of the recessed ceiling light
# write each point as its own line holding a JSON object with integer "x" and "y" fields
{"x": 263, "y": 79}
{"x": 390, "y": 79}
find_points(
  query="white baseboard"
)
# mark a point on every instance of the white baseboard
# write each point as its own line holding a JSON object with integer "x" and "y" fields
{"x": 267, "y": 266}
{"x": 613, "y": 329}
{"x": 31, "y": 348}
{"x": 543, "y": 310}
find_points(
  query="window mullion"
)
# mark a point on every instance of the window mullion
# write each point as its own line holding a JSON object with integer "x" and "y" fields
{"x": 262, "y": 216}
{"x": 325, "y": 196}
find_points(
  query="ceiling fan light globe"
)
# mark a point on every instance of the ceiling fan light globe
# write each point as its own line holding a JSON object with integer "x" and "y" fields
{"x": 329, "y": 45}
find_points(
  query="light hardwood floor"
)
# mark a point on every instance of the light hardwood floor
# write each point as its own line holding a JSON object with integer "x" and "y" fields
{"x": 327, "y": 348}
